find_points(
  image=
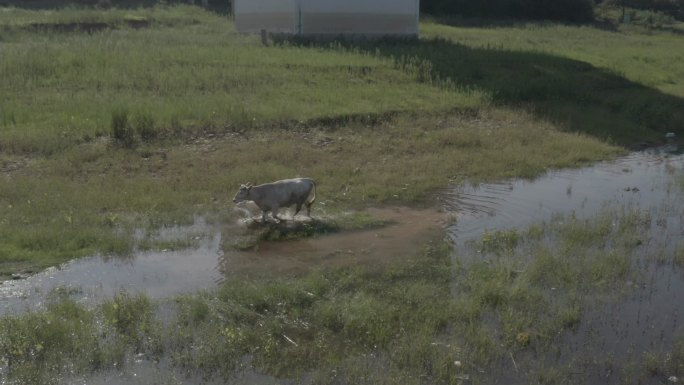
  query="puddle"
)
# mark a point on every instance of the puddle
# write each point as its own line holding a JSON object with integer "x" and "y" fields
{"x": 162, "y": 274}
{"x": 91, "y": 280}
{"x": 643, "y": 179}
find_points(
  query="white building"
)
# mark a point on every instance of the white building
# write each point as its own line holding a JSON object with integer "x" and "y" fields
{"x": 328, "y": 17}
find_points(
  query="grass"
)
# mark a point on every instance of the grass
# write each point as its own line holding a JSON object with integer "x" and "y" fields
{"x": 108, "y": 126}
{"x": 97, "y": 194}
{"x": 68, "y": 339}
{"x": 551, "y": 70}
{"x": 436, "y": 317}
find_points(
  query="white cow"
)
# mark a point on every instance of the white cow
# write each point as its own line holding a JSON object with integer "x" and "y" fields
{"x": 282, "y": 193}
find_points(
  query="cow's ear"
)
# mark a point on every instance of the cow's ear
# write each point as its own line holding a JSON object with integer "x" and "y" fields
{"x": 249, "y": 184}
{"x": 249, "y": 187}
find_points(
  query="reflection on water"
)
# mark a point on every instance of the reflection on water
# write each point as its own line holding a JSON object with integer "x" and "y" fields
{"x": 643, "y": 179}
{"x": 90, "y": 280}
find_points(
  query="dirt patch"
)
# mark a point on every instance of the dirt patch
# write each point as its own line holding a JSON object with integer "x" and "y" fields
{"x": 409, "y": 231}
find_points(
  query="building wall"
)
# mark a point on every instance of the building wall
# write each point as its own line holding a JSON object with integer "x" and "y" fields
{"x": 279, "y": 16}
{"x": 329, "y": 17}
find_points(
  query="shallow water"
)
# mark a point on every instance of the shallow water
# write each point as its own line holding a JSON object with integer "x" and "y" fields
{"x": 91, "y": 280}
{"x": 614, "y": 334}
{"x": 643, "y": 179}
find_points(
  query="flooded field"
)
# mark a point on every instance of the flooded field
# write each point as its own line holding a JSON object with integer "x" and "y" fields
{"x": 632, "y": 327}
{"x": 629, "y": 212}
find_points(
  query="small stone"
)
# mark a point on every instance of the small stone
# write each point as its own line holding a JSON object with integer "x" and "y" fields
{"x": 673, "y": 379}
{"x": 458, "y": 364}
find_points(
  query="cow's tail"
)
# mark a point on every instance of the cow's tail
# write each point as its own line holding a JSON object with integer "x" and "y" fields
{"x": 312, "y": 196}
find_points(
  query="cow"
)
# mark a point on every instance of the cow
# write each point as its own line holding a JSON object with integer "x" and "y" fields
{"x": 282, "y": 193}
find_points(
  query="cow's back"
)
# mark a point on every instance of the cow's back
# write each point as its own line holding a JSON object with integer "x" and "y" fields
{"x": 285, "y": 192}
{"x": 294, "y": 190}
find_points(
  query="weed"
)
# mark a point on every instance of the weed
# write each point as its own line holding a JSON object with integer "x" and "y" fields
{"x": 384, "y": 123}
{"x": 144, "y": 126}
{"x": 652, "y": 363}
{"x": 679, "y": 258}
{"x": 39, "y": 347}
{"x": 132, "y": 318}
{"x": 122, "y": 131}
{"x": 499, "y": 241}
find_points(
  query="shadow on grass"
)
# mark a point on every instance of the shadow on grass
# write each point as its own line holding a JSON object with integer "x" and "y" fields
{"x": 571, "y": 93}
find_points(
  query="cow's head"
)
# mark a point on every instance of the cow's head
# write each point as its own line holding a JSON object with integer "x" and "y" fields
{"x": 243, "y": 193}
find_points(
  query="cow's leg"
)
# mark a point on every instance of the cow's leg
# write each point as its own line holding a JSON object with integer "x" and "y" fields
{"x": 263, "y": 216}
{"x": 274, "y": 213}
{"x": 308, "y": 209}
{"x": 299, "y": 207}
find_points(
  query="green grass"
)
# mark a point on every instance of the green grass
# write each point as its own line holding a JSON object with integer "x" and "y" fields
{"x": 123, "y": 127}
{"x": 68, "y": 339}
{"x": 625, "y": 87}
{"x": 197, "y": 74}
